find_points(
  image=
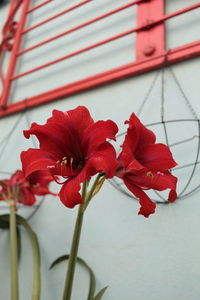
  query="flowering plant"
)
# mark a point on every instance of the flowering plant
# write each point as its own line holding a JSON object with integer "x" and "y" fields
{"x": 74, "y": 148}
{"x": 23, "y": 190}
{"x": 145, "y": 165}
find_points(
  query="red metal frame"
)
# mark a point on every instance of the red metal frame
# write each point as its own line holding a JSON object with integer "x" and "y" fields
{"x": 38, "y": 6}
{"x": 150, "y": 42}
{"x": 13, "y": 60}
{"x": 150, "y": 50}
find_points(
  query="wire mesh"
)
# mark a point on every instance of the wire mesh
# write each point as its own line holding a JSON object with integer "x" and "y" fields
{"x": 186, "y": 187}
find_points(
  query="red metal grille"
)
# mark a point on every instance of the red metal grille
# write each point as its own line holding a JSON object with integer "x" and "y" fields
{"x": 151, "y": 52}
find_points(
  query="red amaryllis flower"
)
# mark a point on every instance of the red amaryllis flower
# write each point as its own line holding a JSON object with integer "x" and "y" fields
{"x": 23, "y": 190}
{"x": 144, "y": 165}
{"x": 74, "y": 147}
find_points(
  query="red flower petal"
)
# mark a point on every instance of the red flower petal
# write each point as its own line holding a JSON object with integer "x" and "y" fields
{"x": 143, "y": 165}
{"x": 103, "y": 160}
{"x": 128, "y": 162}
{"x": 147, "y": 206}
{"x": 156, "y": 181}
{"x": 43, "y": 177}
{"x": 137, "y": 134}
{"x": 52, "y": 138}
{"x": 74, "y": 147}
{"x": 24, "y": 189}
{"x": 156, "y": 157}
{"x": 97, "y": 134}
{"x": 172, "y": 196}
{"x": 35, "y": 160}
{"x": 26, "y": 197}
{"x": 39, "y": 182}
{"x": 73, "y": 124}
{"x": 78, "y": 119}
{"x": 69, "y": 193}
{"x": 63, "y": 132}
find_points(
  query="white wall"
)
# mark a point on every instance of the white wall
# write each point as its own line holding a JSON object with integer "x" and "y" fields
{"x": 138, "y": 258}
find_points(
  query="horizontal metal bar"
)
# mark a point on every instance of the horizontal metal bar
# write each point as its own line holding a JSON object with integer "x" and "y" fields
{"x": 170, "y": 57}
{"x": 56, "y": 16}
{"x": 116, "y": 10}
{"x": 105, "y": 41}
{"x": 181, "y": 11}
{"x": 82, "y": 50}
{"x": 153, "y": 23}
{"x": 38, "y": 6}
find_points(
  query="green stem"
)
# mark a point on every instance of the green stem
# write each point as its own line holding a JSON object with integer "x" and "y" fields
{"x": 13, "y": 253}
{"x": 74, "y": 249}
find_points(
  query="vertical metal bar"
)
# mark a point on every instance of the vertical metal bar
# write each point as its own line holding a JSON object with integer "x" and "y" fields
{"x": 13, "y": 56}
{"x": 151, "y": 41}
{"x": 2, "y": 54}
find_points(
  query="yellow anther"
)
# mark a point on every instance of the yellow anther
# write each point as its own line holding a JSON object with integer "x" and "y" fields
{"x": 71, "y": 162}
{"x": 149, "y": 173}
{"x": 36, "y": 185}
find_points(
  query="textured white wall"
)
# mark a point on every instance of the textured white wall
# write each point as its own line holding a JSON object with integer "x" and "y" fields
{"x": 138, "y": 258}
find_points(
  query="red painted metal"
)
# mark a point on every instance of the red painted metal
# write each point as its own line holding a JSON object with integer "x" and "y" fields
{"x": 170, "y": 57}
{"x": 80, "y": 26}
{"x": 38, "y": 6}
{"x": 8, "y": 28}
{"x": 150, "y": 42}
{"x": 57, "y": 15}
{"x": 4, "y": 38}
{"x": 95, "y": 45}
{"x": 146, "y": 25}
{"x": 15, "y": 49}
{"x": 151, "y": 53}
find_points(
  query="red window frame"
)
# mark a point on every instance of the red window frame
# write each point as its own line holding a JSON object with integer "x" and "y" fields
{"x": 151, "y": 52}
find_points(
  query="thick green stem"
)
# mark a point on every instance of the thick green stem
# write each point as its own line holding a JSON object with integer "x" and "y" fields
{"x": 13, "y": 253}
{"x": 74, "y": 250}
{"x": 76, "y": 237}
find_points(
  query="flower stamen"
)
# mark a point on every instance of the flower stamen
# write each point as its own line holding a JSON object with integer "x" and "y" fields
{"x": 71, "y": 163}
{"x": 149, "y": 174}
{"x": 36, "y": 185}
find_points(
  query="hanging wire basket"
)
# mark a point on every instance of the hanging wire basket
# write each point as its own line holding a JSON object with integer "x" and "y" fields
{"x": 185, "y": 146}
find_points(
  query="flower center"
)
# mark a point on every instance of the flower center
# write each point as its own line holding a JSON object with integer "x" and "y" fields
{"x": 70, "y": 162}
{"x": 35, "y": 185}
{"x": 149, "y": 174}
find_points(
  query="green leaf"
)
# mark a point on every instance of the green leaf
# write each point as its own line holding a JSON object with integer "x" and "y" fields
{"x": 100, "y": 294}
{"x": 36, "y": 253}
{"x": 58, "y": 260}
{"x": 18, "y": 243}
{"x": 36, "y": 257}
{"x": 4, "y": 223}
{"x": 85, "y": 265}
